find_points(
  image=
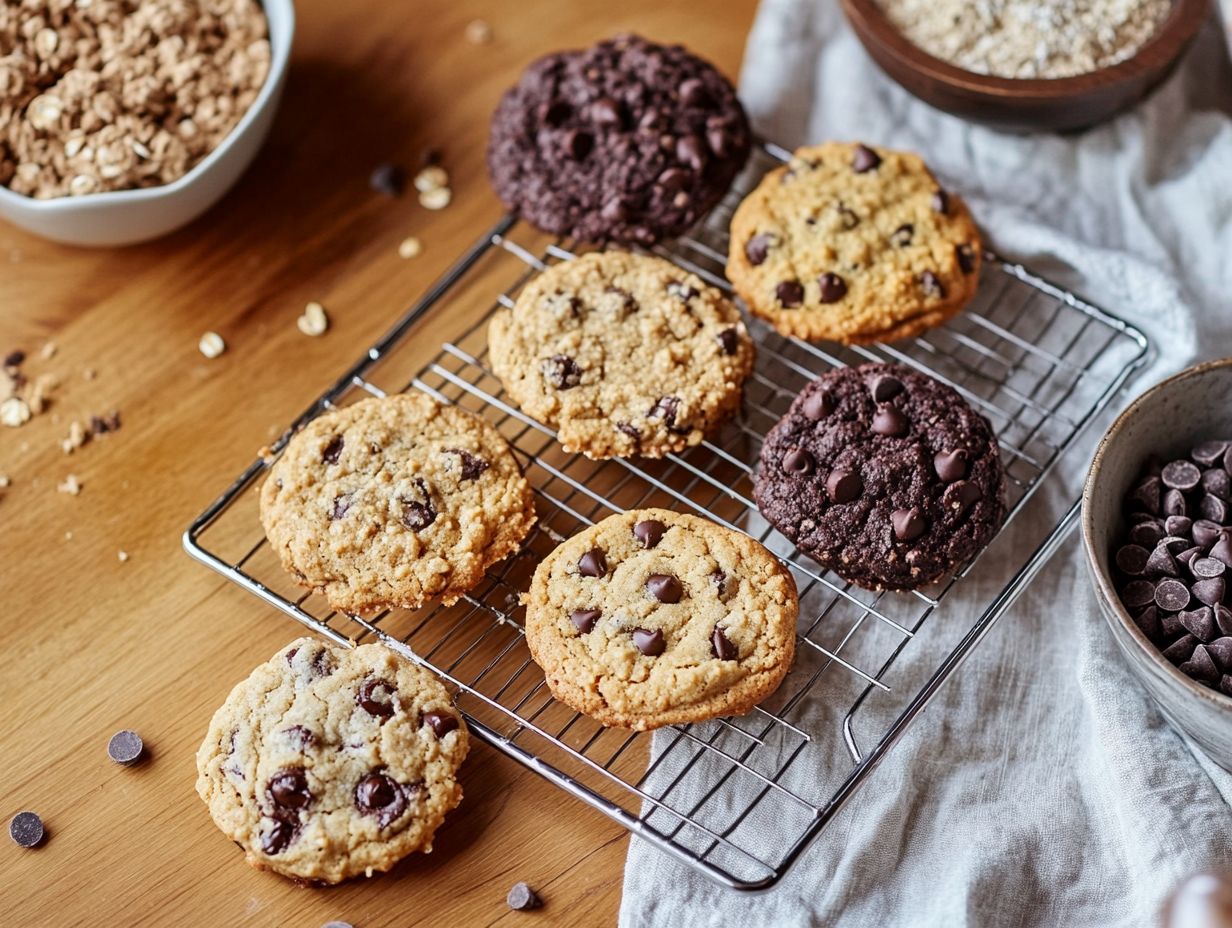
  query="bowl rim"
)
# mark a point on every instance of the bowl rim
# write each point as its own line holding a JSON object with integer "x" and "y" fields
{"x": 1103, "y": 582}
{"x": 280, "y": 56}
{"x": 1170, "y": 40}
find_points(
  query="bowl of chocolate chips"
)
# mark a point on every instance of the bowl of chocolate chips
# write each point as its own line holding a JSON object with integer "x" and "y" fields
{"x": 1157, "y": 529}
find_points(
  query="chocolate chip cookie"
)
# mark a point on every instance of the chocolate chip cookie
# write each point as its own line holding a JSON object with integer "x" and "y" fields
{"x": 625, "y": 141}
{"x": 393, "y": 501}
{"x": 653, "y": 618}
{"x": 883, "y": 475}
{"x": 327, "y": 763}
{"x": 624, "y": 354}
{"x": 855, "y": 245}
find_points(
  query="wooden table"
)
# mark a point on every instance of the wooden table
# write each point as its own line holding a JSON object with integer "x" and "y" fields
{"x": 93, "y": 644}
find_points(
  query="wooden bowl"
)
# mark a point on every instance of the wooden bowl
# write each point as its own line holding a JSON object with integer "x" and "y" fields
{"x": 1025, "y": 105}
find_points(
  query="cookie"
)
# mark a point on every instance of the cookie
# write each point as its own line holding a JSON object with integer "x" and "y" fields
{"x": 854, "y": 245}
{"x": 390, "y": 502}
{"x": 625, "y": 141}
{"x": 623, "y": 354}
{"x": 327, "y": 763}
{"x": 654, "y": 618}
{"x": 883, "y": 475}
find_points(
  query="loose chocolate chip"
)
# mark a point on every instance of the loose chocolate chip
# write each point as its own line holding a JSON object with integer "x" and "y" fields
{"x": 951, "y": 465}
{"x": 1201, "y": 667}
{"x": 441, "y": 723}
{"x": 1175, "y": 543}
{"x": 1223, "y": 618}
{"x": 26, "y": 828}
{"x": 940, "y": 201}
{"x": 908, "y": 524}
{"x": 1138, "y": 593}
{"x": 1170, "y": 625}
{"x": 592, "y": 564}
{"x": 833, "y": 287}
{"x": 1222, "y": 548}
{"x": 693, "y": 92}
{"x": 665, "y": 409}
{"x": 1198, "y": 622}
{"x": 649, "y": 532}
{"x": 902, "y": 236}
{"x": 728, "y": 341}
{"x": 665, "y": 588}
{"x": 1174, "y": 504}
{"x": 387, "y": 179}
{"x": 1180, "y": 475}
{"x": 1180, "y": 650}
{"x": 757, "y": 248}
{"x": 1148, "y": 621}
{"x": 1178, "y": 525}
{"x": 961, "y": 496}
{"x": 889, "y": 421}
{"x": 1171, "y": 595}
{"x": 288, "y": 788}
{"x": 1132, "y": 559}
{"x": 1161, "y": 563}
{"x": 584, "y": 620}
{"x": 561, "y": 371}
{"x": 844, "y": 485}
{"x": 1208, "y": 453}
{"x": 789, "y": 293}
{"x": 1217, "y": 483}
{"x": 818, "y": 405}
{"x": 1146, "y": 495}
{"x": 1187, "y": 556}
{"x": 864, "y": 159}
{"x": 1211, "y": 507}
{"x": 721, "y": 647}
{"x": 1221, "y": 650}
{"x": 1207, "y": 566}
{"x": 333, "y": 450}
{"x": 380, "y": 795}
{"x": 521, "y": 897}
{"x": 649, "y": 642}
{"x": 472, "y": 464}
{"x": 607, "y": 112}
{"x": 966, "y": 258}
{"x": 885, "y": 388}
{"x": 342, "y": 505}
{"x": 1209, "y": 591}
{"x": 931, "y": 285}
{"x": 375, "y": 696}
{"x": 798, "y": 461}
{"x": 1147, "y": 534}
{"x": 125, "y": 747}
{"x": 416, "y": 514}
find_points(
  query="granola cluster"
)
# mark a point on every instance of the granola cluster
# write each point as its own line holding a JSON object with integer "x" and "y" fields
{"x": 116, "y": 94}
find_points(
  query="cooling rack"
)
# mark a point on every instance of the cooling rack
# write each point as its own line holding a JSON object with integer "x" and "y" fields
{"x": 739, "y": 798}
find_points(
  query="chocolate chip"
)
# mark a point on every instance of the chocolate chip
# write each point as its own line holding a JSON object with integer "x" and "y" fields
{"x": 1132, "y": 559}
{"x": 1209, "y": 591}
{"x": 691, "y": 150}
{"x": 757, "y": 248}
{"x": 125, "y": 747}
{"x": 719, "y": 140}
{"x": 961, "y": 496}
{"x": 380, "y": 795}
{"x": 789, "y": 293}
{"x": 1180, "y": 650}
{"x": 1207, "y": 566}
{"x": 607, "y": 112}
{"x": 441, "y": 723}
{"x": 278, "y": 836}
{"x": 941, "y": 201}
{"x": 592, "y": 564}
{"x": 844, "y": 485}
{"x": 375, "y": 696}
{"x": 614, "y": 210}
{"x": 1178, "y": 525}
{"x": 418, "y": 515}
{"x": 1148, "y": 621}
{"x": 1209, "y": 453}
{"x": 521, "y": 897}
{"x": 864, "y": 159}
{"x": 649, "y": 532}
{"x": 288, "y": 788}
{"x": 472, "y": 465}
{"x": 931, "y": 285}
{"x": 1221, "y": 650}
{"x": 628, "y": 428}
{"x": 966, "y": 258}
{"x": 1201, "y": 667}
{"x": 1180, "y": 475}
{"x": 889, "y": 421}
{"x": 833, "y": 287}
{"x": 902, "y": 236}
{"x": 561, "y": 371}
{"x": 1161, "y": 563}
{"x": 885, "y": 388}
{"x": 26, "y": 828}
{"x": 848, "y": 217}
{"x": 674, "y": 180}
{"x": 665, "y": 588}
{"x": 721, "y": 647}
{"x": 1217, "y": 483}
{"x": 387, "y": 179}
{"x": 728, "y": 341}
{"x": 693, "y": 92}
{"x": 342, "y": 505}
{"x": 1198, "y": 622}
{"x": 951, "y": 465}
{"x": 649, "y": 643}
{"x": 1222, "y": 548}
{"x": 1146, "y": 495}
{"x": 1174, "y": 504}
{"x": 1175, "y": 543}
{"x": 333, "y": 450}
{"x": 1223, "y": 618}
{"x": 1170, "y": 625}
{"x": 798, "y": 461}
{"x": 291, "y": 655}
{"x": 1212, "y": 508}
{"x": 908, "y": 524}
{"x": 1171, "y": 595}
{"x": 584, "y": 619}
{"x": 1186, "y": 557}
{"x": 817, "y": 405}
{"x": 1138, "y": 593}
{"x": 1147, "y": 534}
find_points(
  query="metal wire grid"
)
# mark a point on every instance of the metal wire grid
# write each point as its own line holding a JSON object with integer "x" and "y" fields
{"x": 737, "y": 798}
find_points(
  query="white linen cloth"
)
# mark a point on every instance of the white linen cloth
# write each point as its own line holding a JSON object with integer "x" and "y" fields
{"x": 1041, "y": 787}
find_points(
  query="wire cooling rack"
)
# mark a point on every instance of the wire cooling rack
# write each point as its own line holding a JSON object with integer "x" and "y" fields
{"x": 737, "y": 798}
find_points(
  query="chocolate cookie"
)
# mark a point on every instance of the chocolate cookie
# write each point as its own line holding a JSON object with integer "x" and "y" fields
{"x": 624, "y": 354}
{"x": 855, "y": 245}
{"x": 625, "y": 141}
{"x": 883, "y": 475}
{"x": 327, "y": 763}
{"x": 653, "y": 618}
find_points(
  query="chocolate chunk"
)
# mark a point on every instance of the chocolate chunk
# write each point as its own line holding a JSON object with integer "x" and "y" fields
{"x": 342, "y": 505}
{"x": 300, "y": 736}
{"x": 278, "y": 836}
{"x": 125, "y": 747}
{"x": 889, "y": 421}
{"x": 1198, "y": 622}
{"x": 1174, "y": 504}
{"x": 561, "y": 372}
{"x": 665, "y": 409}
{"x": 375, "y": 696}
{"x": 441, "y": 723}
{"x": 1222, "y": 548}
{"x": 798, "y": 461}
{"x": 416, "y": 514}
{"x": 864, "y": 159}
{"x": 757, "y": 248}
{"x": 844, "y": 485}
{"x": 584, "y": 619}
{"x": 1201, "y": 667}
{"x": 1171, "y": 595}
{"x": 665, "y": 588}
{"x": 722, "y": 648}
{"x": 1211, "y": 507}
{"x": 1217, "y": 483}
{"x": 1180, "y": 650}
{"x": 966, "y": 258}
{"x": 333, "y": 450}
{"x": 472, "y": 464}
{"x": 1138, "y": 593}
{"x": 380, "y": 795}
{"x": 387, "y": 179}
{"x": 951, "y": 465}
{"x": 680, "y": 291}
{"x": 693, "y": 93}
{"x": 1178, "y": 525}
{"x": 1221, "y": 650}
{"x": 818, "y": 405}
{"x": 931, "y": 285}
{"x": 833, "y": 287}
{"x": 908, "y": 524}
{"x": 1209, "y": 591}
{"x": 288, "y": 788}
{"x": 607, "y": 112}
{"x": 521, "y": 897}
{"x": 1147, "y": 534}
{"x": 649, "y": 642}
{"x": 728, "y": 341}
{"x": 1161, "y": 563}
{"x": 1207, "y": 566}
{"x": 1146, "y": 495}
{"x": 1148, "y": 621}
{"x": 1209, "y": 453}
{"x": 885, "y": 388}
{"x": 941, "y": 201}
{"x": 26, "y": 828}
{"x": 902, "y": 236}
{"x": 592, "y": 564}
{"x": 1180, "y": 475}
{"x": 1132, "y": 559}
{"x": 847, "y": 217}
{"x": 789, "y": 293}
{"x": 649, "y": 532}
{"x": 629, "y": 429}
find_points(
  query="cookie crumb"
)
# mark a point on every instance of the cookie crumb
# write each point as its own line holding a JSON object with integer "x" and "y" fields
{"x": 72, "y": 486}
{"x": 5, "y": 481}
{"x": 211, "y": 345}
{"x": 478, "y": 32}
{"x": 436, "y": 199}
{"x": 410, "y": 247}
{"x": 433, "y": 177}
{"x": 49, "y": 351}
{"x": 77, "y": 436}
{"x": 14, "y": 412}
{"x": 123, "y": 556}
{"x": 68, "y": 536}
{"x": 313, "y": 322}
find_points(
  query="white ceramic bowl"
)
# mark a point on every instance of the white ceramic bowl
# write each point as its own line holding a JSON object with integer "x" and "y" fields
{"x": 122, "y": 217}
{"x": 1167, "y": 419}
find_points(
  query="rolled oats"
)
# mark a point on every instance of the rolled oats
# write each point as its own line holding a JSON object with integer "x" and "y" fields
{"x": 14, "y": 412}
{"x": 314, "y": 321}
{"x": 211, "y": 345}
{"x": 71, "y": 485}
{"x": 410, "y": 247}
{"x": 433, "y": 177}
{"x": 437, "y": 198}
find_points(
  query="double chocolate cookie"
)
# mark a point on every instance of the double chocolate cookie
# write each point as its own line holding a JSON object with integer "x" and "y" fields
{"x": 653, "y": 618}
{"x": 625, "y": 141}
{"x": 883, "y": 475}
{"x": 328, "y": 763}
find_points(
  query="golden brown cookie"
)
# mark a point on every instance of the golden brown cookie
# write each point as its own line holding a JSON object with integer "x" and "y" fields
{"x": 855, "y": 245}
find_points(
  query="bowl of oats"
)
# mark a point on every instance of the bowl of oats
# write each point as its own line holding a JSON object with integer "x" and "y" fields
{"x": 1025, "y": 65}
{"x": 123, "y": 121}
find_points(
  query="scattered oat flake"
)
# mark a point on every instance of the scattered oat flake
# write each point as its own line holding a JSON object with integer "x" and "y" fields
{"x": 212, "y": 345}
{"x": 71, "y": 485}
{"x": 313, "y": 322}
{"x": 4, "y": 480}
{"x": 478, "y": 32}
{"x": 14, "y": 412}
{"x": 77, "y": 436}
{"x": 410, "y": 247}
{"x": 433, "y": 177}
{"x": 436, "y": 199}
{"x": 122, "y": 555}
{"x": 49, "y": 351}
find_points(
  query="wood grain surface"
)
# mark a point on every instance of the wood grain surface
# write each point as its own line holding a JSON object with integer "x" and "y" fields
{"x": 93, "y": 644}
